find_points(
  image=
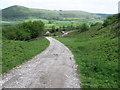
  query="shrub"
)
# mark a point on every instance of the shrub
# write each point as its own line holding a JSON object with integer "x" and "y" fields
{"x": 106, "y": 22}
{"x": 84, "y": 27}
{"x": 10, "y": 32}
{"x": 53, "y": 29}
{"x": 110, "y": 20}
{"x": 24, "y": 31}
{"x": 35, "y": 28}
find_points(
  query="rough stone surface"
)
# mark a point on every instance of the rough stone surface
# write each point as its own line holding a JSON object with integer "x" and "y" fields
{"x": 53, "y": 68}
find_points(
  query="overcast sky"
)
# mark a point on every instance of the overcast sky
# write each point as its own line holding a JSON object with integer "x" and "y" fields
{"x": 95, "y": 6}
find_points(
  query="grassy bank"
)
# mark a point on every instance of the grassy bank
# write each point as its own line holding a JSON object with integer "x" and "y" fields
{"x": 97, "y": 60}
{"x": 96, "y": 53}
{"x": 17, "y": 52}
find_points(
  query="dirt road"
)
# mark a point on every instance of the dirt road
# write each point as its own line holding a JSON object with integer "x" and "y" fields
{"x": 53, "y": 68}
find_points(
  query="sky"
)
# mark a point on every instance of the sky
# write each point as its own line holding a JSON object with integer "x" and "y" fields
{"x": 94, "y": 6}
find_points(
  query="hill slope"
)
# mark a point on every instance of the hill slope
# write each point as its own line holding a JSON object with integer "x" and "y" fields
{"x": 96, "y": 53}
{"x": 20, "y": 12}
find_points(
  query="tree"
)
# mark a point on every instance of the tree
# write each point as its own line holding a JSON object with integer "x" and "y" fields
{"x": 50, "y": 21}
{"x": 84, "y": 27}
{"x": 24, "y": 31}
{"x": 106, "y": 23}
{"x": 111, "y": 19}
{"x": 64, "y": 28}
{"x": 57, "y": 29}
{"x": 35, "y": 28}
{"x": 53, "y": 29}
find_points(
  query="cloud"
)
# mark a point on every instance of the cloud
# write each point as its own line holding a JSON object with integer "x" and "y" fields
{"x": 100, "y": 6}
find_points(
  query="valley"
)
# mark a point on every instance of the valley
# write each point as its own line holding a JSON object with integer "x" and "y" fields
{"x": 92, "y": 40}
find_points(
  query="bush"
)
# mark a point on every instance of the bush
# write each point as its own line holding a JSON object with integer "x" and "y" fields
{"x": 35, "y": 28}
{"x": 53, "y": 29}
{"x": 106, "y": 22}
{"x": 84, "y": 27}
{"x": 111, "y": 19}
{"x": 24, "y": 31}
{"x": 10, "y": 32}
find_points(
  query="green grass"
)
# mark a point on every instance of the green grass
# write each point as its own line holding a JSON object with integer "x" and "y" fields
{"x": 97, "y": 58}
{"x": 17, "y": 52}
{"x": 56, "y": 23}
{"x": 11, "y": 22}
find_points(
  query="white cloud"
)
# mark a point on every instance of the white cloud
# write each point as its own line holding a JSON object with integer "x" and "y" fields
{"x": 100, "y": 6}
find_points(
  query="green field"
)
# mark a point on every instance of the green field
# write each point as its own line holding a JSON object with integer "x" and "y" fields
{"x": 10, "y": 22}
{"x": 56, "y": 23}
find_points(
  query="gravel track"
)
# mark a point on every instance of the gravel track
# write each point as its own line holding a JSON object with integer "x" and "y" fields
{"x": 53, "y": 68}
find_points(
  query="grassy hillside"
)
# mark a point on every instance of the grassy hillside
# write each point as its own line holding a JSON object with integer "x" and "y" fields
{"x": 17, "y": 14}
{"x": 96, "y": 53}
{"x": 20, "y": 12}
{"x": 15, "y": 11}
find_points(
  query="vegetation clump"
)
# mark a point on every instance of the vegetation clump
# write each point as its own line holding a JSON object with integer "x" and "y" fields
{"x": 84, "y": 27}
{"x": 111, "y": 19}
{"x": 24, "y": 31}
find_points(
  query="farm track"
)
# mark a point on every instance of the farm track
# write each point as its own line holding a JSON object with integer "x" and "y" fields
{"x": 53, "y": 68}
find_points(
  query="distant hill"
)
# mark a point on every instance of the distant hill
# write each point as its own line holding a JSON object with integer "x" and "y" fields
{"x": 103, "y": 15}
{"x": 20, "y": 12}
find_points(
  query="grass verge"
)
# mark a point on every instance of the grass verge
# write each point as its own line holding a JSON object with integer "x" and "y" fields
{"x": 17, "y": 52}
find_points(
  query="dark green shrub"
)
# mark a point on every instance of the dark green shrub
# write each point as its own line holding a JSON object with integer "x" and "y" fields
{"x": 35, "y": 28}
{"x": 53, "y": 29}
{"x": 111, "y": 19}
{"x": 84, "y": 27}
{"x": 10, "y": 32}
{"x": 106, "y": 22}
{"x": 23, "y": 35}
{"x": 24, "y": 31}
{"x": 50, "y": 21}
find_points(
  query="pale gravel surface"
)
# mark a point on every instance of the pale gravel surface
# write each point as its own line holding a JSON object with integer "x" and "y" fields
{"x": 53, "y": 68}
